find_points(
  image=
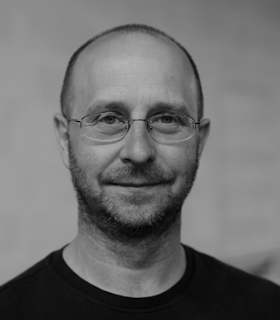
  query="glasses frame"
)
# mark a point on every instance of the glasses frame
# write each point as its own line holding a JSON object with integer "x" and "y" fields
{"x": 129, "y": 122}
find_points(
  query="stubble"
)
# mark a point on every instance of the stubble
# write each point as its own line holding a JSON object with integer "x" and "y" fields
{"x": 136, "y": 220}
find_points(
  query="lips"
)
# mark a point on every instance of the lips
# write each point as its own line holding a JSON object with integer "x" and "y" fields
{"x": 136, "y": 184}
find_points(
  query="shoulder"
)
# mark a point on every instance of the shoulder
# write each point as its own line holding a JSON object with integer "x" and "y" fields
{"x": 232, "y": 285}
{"x": 18, "y": 293}
{"x": 27, "y": 275}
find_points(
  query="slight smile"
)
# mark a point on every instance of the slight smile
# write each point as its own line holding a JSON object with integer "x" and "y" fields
{"x": 135, "y": 185}
{"x": 137, "y": 188}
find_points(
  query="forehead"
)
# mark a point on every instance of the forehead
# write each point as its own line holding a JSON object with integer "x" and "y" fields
{"x": 137, "y": 68}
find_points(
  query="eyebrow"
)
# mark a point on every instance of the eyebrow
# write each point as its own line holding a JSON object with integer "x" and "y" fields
{"x": 176, "y": 107}
{"x": 100, "y": 106}
{"x": 159, "y": 106}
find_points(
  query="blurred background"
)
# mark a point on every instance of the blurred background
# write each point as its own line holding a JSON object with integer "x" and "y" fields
{"x": 233, "y": 211}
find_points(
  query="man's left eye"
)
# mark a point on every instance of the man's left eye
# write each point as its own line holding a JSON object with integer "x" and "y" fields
{"x": 167, "y": 119}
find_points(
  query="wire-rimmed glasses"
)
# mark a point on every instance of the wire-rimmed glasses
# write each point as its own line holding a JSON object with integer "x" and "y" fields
{"x": 109, "y": 126}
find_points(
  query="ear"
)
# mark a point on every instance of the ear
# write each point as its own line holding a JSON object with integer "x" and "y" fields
{"x": 62, "y": 136}
{"x": 203, "y": 133}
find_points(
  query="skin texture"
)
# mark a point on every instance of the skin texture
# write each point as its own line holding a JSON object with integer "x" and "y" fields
{"x": 130, "y": 192}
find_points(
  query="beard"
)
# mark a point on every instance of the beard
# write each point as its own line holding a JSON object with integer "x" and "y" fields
{"x": 134, "y": 219}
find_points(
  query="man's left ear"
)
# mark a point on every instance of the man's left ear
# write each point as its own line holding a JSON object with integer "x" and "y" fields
{"x": 203, "y": 132}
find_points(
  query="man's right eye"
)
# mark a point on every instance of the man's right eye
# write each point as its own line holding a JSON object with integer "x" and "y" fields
{"x": 110, "y": 119}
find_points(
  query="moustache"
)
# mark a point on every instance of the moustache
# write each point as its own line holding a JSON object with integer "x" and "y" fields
{"x": 150, "y": 174}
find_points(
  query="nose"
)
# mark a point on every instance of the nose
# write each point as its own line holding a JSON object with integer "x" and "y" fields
{"x": 138, "y": 146}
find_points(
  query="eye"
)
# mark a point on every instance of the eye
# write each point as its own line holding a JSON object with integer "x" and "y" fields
{"x": 111, "y": 119}
{"x": 167, "y": 119}
{"x": 108, "y": 119}
{"x": 163, "y": 118}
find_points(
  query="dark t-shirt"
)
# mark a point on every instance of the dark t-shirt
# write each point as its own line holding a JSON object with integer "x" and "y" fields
{"x": 208, "y": 290}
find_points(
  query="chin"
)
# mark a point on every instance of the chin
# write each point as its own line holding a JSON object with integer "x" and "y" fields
{"x": 129, "y": 223}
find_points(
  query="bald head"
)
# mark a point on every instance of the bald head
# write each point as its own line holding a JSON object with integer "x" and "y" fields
{"x": 123, "y": 49}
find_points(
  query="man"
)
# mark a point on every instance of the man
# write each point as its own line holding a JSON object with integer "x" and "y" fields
{"x": 131, "y": 133}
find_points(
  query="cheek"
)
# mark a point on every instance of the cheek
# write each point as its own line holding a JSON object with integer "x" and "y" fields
{"x": 180, "y": 158}
{"x": 94, "y": 159}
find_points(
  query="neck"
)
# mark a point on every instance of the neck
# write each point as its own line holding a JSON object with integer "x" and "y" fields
{"x": 145, "y": 269}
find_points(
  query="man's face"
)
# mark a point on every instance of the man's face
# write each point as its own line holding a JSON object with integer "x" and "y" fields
{"x": 135, "y": 187}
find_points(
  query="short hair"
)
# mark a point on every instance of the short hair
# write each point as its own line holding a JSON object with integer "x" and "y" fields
{"x": 67, "y": 92}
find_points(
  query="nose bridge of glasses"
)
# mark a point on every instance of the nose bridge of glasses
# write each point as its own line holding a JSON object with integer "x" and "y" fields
{"x": 130, "y": 121}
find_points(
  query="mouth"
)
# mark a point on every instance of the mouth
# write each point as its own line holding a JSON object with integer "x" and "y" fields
{"x": 136, "y": 192}
{"x": 136, "y": 184}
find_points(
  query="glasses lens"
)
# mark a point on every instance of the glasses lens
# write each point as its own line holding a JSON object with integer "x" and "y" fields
{"x": 107, "y": 126}
{"x": 169, "y": 127}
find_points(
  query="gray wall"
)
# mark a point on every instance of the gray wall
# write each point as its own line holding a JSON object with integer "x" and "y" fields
{"x": 234, "y": 207}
